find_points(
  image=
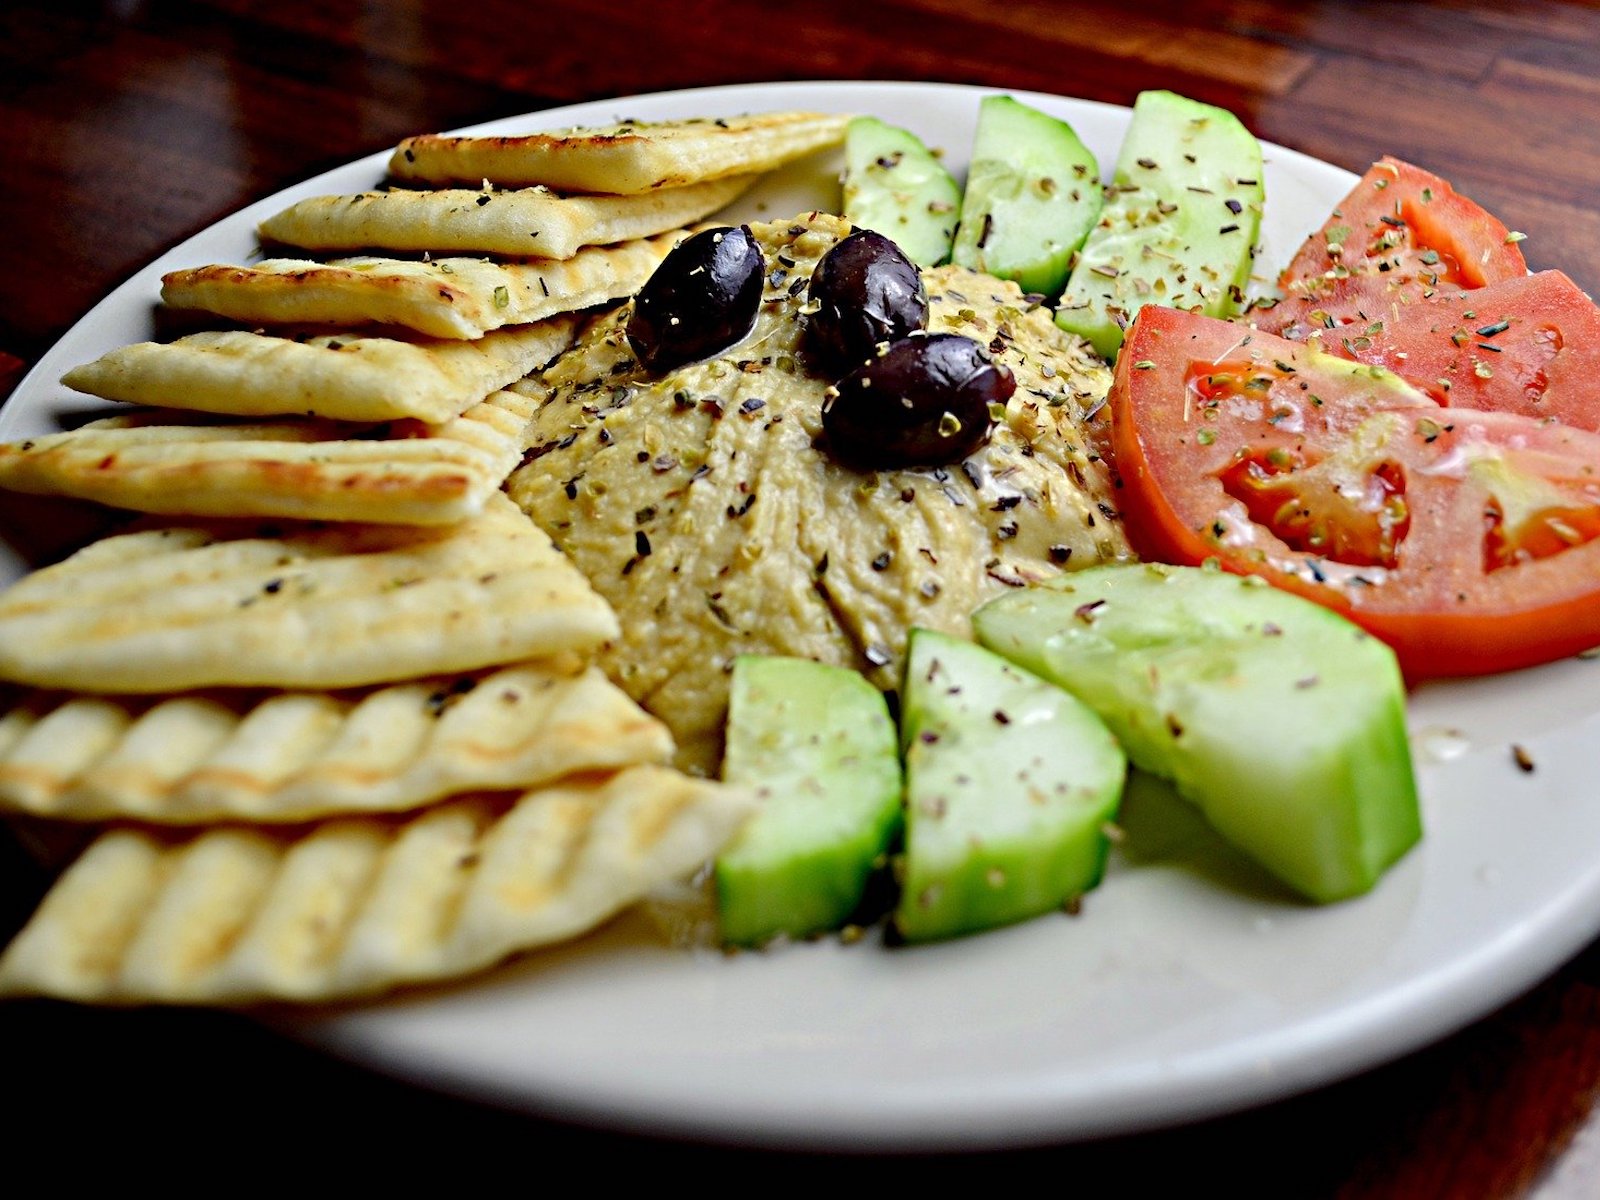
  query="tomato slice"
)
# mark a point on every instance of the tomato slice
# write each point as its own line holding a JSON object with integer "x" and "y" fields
{"x": 1402, "y": 234}
{"x": 1527, "y": 345}
{"x": 1467, "y": 540}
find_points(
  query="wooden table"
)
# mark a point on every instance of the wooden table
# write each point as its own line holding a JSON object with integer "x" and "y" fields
{"x": 130, "y": 126}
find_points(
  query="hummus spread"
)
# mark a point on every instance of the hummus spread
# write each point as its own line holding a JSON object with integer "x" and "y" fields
{"x": 703, "y": 505}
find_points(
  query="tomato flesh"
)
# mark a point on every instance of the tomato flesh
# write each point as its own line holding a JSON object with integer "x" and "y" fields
{"x": 1527, "y": 345}
{"x": 1355, "y": 518}
{"x": 1401, "y": 235}
{"x": 1468, "y": 540}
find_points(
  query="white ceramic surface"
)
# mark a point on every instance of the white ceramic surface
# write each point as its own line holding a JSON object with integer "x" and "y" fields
{"x": 1187, "y": 987}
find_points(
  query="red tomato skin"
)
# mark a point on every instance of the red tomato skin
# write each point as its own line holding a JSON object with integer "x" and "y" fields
{"x": 1439, "y": 610}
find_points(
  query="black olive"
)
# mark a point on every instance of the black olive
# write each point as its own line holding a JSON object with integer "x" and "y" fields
{"x": 868, "y": 292}
{"x": 702, "y": 298}
{"x": 925, "y": 400}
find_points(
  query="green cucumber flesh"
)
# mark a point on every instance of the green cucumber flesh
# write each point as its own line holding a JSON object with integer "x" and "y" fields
{"x": 1179, "y": 226}
{"x": 817, "y": 746}
{"x": 894, "y": 185}
{"x": 1010, "y": 783}
{"x": 1032, "y": 196}
{"x": 1283, "y": 722}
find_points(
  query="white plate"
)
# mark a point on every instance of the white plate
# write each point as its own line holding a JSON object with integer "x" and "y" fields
{"x": 1184, "y": 989}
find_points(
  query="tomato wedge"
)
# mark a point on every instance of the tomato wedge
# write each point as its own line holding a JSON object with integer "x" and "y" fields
{"x": 1527, "y": 345}
{"x": 1467, "y": 540}
{"x": 1402, "y": 234}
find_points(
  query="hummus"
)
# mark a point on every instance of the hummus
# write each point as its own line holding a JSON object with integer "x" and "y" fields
{"x": 702, "y": 505}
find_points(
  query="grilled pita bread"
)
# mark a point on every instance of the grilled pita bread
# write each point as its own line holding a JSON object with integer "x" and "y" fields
{"x": 526, "y": 223}
{"x": 159, "y": 461}
{"x": 295, "y": 756}
{"x": 445, "y": 298}
{"x": 189, "y": 604}
{"x": 346, "y": 377}
{"x": 356, "y": 906}
{"x": 632, "y": 157}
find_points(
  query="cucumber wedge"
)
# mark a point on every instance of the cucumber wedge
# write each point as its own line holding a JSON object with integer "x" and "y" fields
{"x": 1033, "y": 194}
{"x": 817, "y": 745}
{"x": 895, "y": 186}
{"x": 1179, "y": 227}
{"x": 1009, "y": 785}
{"x": 1283, "y": 722}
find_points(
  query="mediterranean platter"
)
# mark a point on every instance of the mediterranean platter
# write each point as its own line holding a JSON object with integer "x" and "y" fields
{"x": 1187, "y": 986}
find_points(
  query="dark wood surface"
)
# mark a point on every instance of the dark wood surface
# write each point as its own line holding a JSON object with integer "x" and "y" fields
{"x": 132, "y": 125}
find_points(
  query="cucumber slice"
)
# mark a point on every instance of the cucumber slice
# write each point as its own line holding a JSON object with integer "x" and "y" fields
{"x": 817, "y": 745}
{"x": 1283, "y": 722}
{"x": 1179, "y": 227}
{"x": 1033, "y": 194}
{"x": 1009, "y": 785}
{"x": 895, "y": 186}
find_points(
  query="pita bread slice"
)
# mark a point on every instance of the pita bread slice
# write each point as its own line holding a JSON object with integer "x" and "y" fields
{"x": 526, "y": 223}
{"x": 632, "y": 157}
{"x": 445, "y": 298}
{"x": 157, "y": 461}
{"x": 344, "y": 377}
{"x": 293, "y": 756}
{"x": 358, "y": 906}
{"x": 176, "y": 605}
